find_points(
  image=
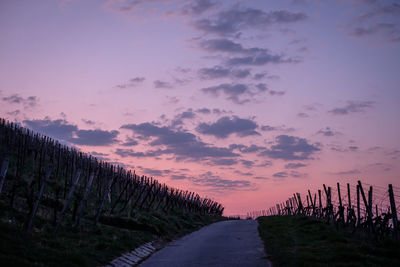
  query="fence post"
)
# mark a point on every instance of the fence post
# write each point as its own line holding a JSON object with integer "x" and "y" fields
{"x": 3, "y": 172}
{"x": 348, "y": 195}
{"x": 394, "y": 212}
{"x": 320, "y": 200}
{"x": 29, "y": 222}
{"x": 370, "y": 199}
{"x": 369, "y": 212}
{"x": 358, "y": 205}
{"x": 312, "y": 203}
{"x": 341, "y": 208}
{"x": 67, "y": 200}
{"x": 85, "y": 195}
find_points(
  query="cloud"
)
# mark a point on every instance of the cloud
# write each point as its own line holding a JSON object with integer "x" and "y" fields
{"x": 349, "y": 172}
{"x": 390, "y": 31}
{"x": 131, "y": 153}
{"x": 381, "y": 11}
{"x": 155, "y": 172}
{"x": 254, "y": 56}
{"x": 246, "y": 149}
{"x": 100, "y": 156}
{"x": 58, "y": 129}
{"x": 214, "y": 73}
{"x": 198, "y": 7}
{"x": 62, "y": 129}
{"x": 226, "y": 126}
{"x": 352, "y": 107}
{"x": 233, "y": 91}
{"x": 259, "y": 76}
{"x": 14, "y": 113}
{"x": 247, "y": 163}
{"x": 232, "y": 21}
{"x": 282, "y": 128}
{"x": 265, "y": 164}
{"x": 280, "y": 175}
{"x": 381, "y": 166}
{"x": 214, "y": 182}
{"x": 328, "y": 132}
{"x": 183, "y": 145}
{"x": 28, "y": 102}
{"x": 204, "y": 110}
{"x": 132, "y": 83}
{"x": 240, "y": 73}
{"x": 302, "y": 115}
{"x": 162, "y": 84}
{"x": 244, "y": 173}
{"x": 94, "y": 153}
{"x": 353, "y": 148}
{"x": 223, "y": 162}
{"x": 130, "y": 142}
{"x": 218, "y": 111}
{"x": 179, "y": 177}
{"x": 179, "y": 118}
{"x": 295, "y": 165}
{"x": 261, "y": 178}
{"x": 228, "y": 46}
{"x": 380, "y": 19}
{"x": 236, "y": 92}
{"x": 209, "y": 179}
{"x": 291, "y": 148}
{"x": 297, "y": 174}
{"x": 94, "y": 137}
{"x": 217, "y": 72}
{"x": 89, "y": 122}
{"x": 260, "y": 60}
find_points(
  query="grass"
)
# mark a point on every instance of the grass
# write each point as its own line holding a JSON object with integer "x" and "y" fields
{"x": 91, "y": 246}
{"x": 305, "y": 241}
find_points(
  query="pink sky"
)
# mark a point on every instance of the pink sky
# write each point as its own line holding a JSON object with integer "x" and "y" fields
{"x": 245, "y": 102}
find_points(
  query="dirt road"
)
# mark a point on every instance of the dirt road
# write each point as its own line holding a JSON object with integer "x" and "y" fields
{"x": 227, "y": 243}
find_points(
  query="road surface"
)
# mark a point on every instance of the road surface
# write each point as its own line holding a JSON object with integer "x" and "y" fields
{"x": 227, "y": 243}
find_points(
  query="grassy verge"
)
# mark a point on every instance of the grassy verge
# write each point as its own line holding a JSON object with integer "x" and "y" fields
{"x": 91, "y": 246}
{"x": 304, "y": 241}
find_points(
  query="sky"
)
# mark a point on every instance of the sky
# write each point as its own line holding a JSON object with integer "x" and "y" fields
{"x": 244, "y": 102}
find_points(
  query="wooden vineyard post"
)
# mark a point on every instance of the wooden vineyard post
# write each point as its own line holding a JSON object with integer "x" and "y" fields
{"x": 300, "y": 203}
{"x": 320, "y": 203}
{"x": 348, "y": 195}
{"x": 106, "y": 192}
{"x": 328, "y": 203}
{"x": 146, "y": 196}
{"x": 3, "y": 172}
{"x": 312, "y": 203}
{"x": 370, "y": 200}
{"x": 350, "y": 211}
{"x": 394, "y": 213}
{"x": 341, "y": 208}
{"x": 83, "y": 201}
{"x": 369, "y": 212}
{"x": 67, "y": 200}
{"x": 29, "y": 222}
{"x": 358, "y": 205}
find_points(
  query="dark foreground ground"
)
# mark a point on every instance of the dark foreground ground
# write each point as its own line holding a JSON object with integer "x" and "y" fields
{"x": 304, "y": 241}
{"x": 90, "y": 246}
{"x": 228, "y": 243}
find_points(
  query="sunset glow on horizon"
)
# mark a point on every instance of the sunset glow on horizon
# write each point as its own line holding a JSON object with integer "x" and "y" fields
{"x": 244, "y": 102}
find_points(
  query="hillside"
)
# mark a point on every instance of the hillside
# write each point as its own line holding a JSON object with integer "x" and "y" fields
{"x": 59, "y": 206}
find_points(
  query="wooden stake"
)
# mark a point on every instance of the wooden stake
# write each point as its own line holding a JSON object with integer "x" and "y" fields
{"x": 394, "y": 213}
{"x": 3, "y": 172}
{"x": 67, "y": 200}
{"x": 29, "y": 223}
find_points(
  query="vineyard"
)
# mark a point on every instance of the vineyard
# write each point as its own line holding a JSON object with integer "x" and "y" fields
{"x": 352, "y": 206}
{"x": 48, "y": 185}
